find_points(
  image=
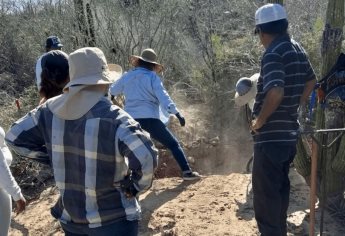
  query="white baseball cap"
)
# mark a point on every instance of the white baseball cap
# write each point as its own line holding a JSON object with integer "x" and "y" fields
{"x": 269, "y": 13}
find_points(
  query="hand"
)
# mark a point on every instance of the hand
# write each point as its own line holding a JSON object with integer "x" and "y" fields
{"x": 181, "y": 119}
{"x": 257, "y": 124}
{"x": 128, "y": 188}
{"x": 20, "y": 205}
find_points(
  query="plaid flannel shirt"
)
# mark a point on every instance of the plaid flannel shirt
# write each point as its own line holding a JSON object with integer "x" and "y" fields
{"x": 89, "y": 157}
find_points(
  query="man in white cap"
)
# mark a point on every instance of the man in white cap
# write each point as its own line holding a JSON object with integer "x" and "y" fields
{"x": 285, "y": 83}
{"x": 101, "y": 157}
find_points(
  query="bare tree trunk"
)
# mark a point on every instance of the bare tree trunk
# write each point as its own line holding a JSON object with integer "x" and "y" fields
{"x": 90, "y": 21}
{"x": 85, "y": 23}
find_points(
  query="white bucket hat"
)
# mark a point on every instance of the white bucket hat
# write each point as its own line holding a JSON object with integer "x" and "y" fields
{"x": 246, "y": 89}
{"x": 269, "y": 13}
{"x": 89, "y": 76}
{"x": 88, "y": 66}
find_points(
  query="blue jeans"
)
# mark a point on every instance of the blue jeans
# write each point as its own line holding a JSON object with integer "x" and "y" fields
{"x": 121, "y": 228}
{"x": 162, "y": 134}
{"x": 271, "y": 187}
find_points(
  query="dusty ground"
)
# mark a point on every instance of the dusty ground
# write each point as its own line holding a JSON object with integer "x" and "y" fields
{"x": 219, "y": 204}
{"x": 215, "y": 205}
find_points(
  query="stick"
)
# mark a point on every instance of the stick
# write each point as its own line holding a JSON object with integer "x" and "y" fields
{"x": 313, "y": 176}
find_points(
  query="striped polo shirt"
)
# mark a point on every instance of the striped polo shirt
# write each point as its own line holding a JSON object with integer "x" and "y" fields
{"x": 284, "y": 64}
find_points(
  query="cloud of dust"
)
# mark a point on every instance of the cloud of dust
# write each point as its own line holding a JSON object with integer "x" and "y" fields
{"x": 217, "y": 136}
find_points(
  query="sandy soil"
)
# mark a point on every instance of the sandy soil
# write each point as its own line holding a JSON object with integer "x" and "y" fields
{"x": 215, "y": 205}
{"x": 219, "y": 204}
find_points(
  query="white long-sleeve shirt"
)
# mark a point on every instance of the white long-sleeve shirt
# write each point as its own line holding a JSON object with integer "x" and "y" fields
{"x": 144, "y": 94}
{"x": 38, "y": 71}
{"x": 7, "y": 182}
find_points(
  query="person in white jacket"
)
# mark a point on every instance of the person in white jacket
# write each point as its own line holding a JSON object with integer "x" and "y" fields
{"x": 145, "y": 95}
{"x": 8, "y": 188}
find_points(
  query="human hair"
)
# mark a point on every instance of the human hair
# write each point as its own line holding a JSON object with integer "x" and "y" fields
{"x": 278, "y": 27}
{"x": 55, "y": 74}
{"x": 53, "y": 82}
{"x": 146, "y": 65}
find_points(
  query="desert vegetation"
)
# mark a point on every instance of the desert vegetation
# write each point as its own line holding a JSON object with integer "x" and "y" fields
{"x": 204, "y": 45}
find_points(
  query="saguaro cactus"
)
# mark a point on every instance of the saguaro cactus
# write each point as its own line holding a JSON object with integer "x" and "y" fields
{"x": 330, "y": 181}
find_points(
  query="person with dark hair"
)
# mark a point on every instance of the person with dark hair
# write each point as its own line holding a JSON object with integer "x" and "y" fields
{"x": 284, "y": 85}
{"x": 101, "y": 158}
{"x": 145, "y": 95}
{"x": 55, "y": 74}
{"x": 52, "y": 43}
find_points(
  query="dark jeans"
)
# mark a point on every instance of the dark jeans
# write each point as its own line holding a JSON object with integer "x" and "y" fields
{"x": 271, "y": 187}
{"x": 162, "y": 134}
{"x": 121, "y": 228}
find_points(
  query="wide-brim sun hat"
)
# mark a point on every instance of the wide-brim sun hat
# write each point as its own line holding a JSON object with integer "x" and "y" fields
{"x": 88, "y": 66}
{"x": 148, "y": 55}
{"x": 115, "y": 70}
{"x": 246, "y": 89}
{"x": 89, "y": 74}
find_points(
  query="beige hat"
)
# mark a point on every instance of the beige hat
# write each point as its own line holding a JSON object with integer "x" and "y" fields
{"x": 88, "y": 66}
{"x": 246, "y": 89}
{"x": 148, "y": 55}
{"x": 89, "y": 76}
{"x": 115, "y": 70}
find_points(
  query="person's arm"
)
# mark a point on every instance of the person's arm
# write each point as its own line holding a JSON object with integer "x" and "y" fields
{"x": 308, "y": 88}
{"x": 135, "y": 145}
{"x": 8, "y": 183}
{"x": 26, "y": 140}
{"x": 273, "y": 73}
{"x": 165, "y": 100}
{"x": 163, "y": 96}
{"x": 272, "y": 101}
{"x": 117, "y": 87}
{"x": 38, "y": 71}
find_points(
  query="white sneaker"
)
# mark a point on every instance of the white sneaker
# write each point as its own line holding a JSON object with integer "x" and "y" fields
{"x": 193, "y": 175}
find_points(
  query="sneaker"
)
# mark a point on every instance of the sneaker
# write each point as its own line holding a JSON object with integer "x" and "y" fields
{"x": 191, "y": 176}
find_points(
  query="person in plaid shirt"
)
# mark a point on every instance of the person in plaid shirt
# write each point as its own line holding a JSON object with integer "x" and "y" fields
{"x": 101, "y": 158}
